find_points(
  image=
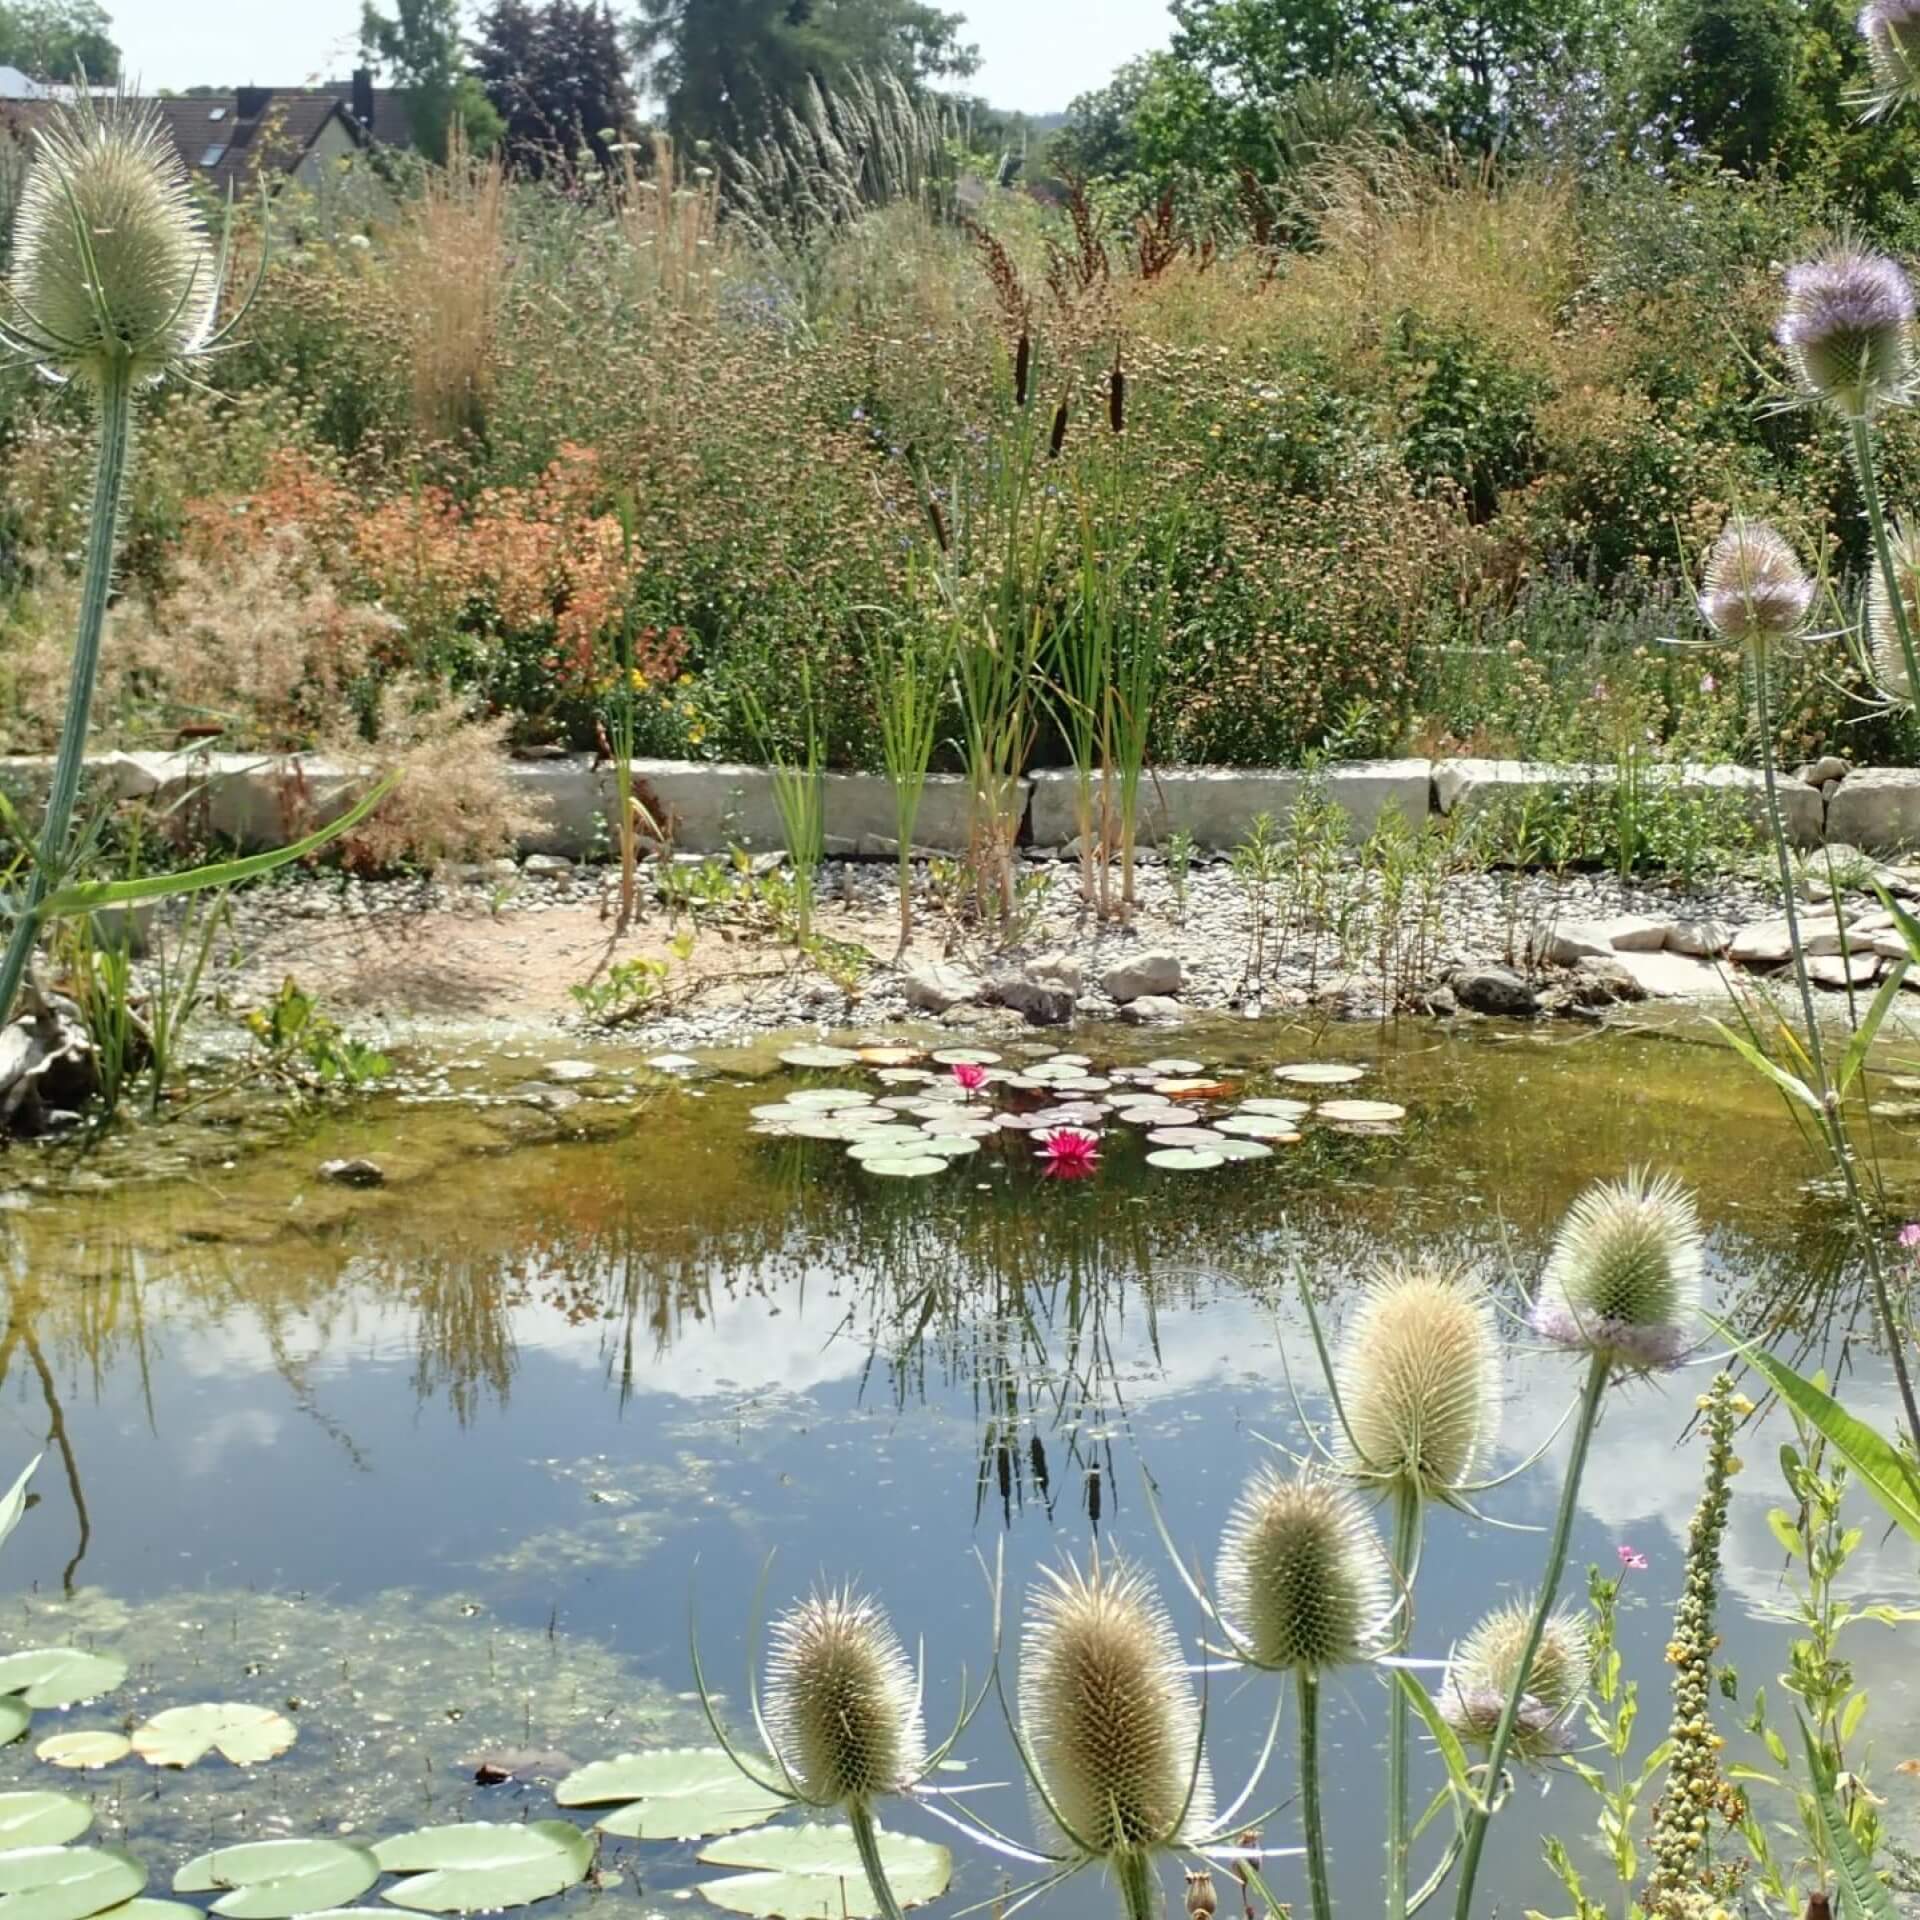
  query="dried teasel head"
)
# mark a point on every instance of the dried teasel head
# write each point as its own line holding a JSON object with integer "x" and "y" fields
{"x": 1107, "y": 1713}
{"x": 1303, "y": 1583}
{"x": 1754, "y": 591}
{"x": 1847, "y": 328}
{"x": 1624, "y": 1276}
{"x": 1419, "y": 1379}
{"x": 113, "y": 273}
{"x": 842, "y": 1703}
{"x": 1481, "y": 1676}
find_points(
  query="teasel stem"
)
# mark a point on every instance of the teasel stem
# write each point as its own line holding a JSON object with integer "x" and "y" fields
{"x": 1307, "y": 1688}
{"x": 1481, "y": 1816}
{"x": 866, "y": 1838}
{"x": 109, "y": 483}
{"x": 1408, "y": 1509}
{"x": 1139, "y": 1885}
{"x": 1862, "y": 432}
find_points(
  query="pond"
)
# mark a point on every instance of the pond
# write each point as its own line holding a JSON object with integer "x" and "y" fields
{"x": 438, "y": 1468}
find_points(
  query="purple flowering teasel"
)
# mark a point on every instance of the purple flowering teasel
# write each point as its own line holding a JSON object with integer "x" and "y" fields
{"x": 1847, "y": 330}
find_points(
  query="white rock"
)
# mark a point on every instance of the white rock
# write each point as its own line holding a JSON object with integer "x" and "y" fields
{"x": 935, "y": 987}
{"x": 1568, "y": 941}
{"x": 1672, "y": 975}
{"x": 1155, "y": 974}
{"x": 1698, "y": 937}
{"x": 1152, "y": 1010}
{"x": 1057, "y": 970}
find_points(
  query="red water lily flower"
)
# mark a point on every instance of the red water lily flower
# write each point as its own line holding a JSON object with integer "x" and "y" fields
{"x": 1069, "y": 1154}
{"x": 968, "y": 1077}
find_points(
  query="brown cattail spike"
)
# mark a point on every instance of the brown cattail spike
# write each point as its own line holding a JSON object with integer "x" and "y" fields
{"x": 939, "y": 525}
{"x": 1117, "y": 397}
{"x": 1058, "y": 438}
{"x": 1022, "y": 367}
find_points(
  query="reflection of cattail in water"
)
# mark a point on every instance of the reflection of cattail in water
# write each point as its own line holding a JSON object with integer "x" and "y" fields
{"x": 1022, "y": 368}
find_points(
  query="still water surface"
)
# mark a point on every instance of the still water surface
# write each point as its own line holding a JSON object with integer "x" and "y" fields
{"x": 439, "y": 1467}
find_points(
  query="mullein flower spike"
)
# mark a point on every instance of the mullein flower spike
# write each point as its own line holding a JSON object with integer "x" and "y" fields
{"x": 1754, "y": 592}
{"x": 1847, "y": 329}
{"x": 1623, "y": 1280}
{"x": 1482, "y": 1674}
{"x": 114, "y": 272}
{"x": 1419, "y": 1383}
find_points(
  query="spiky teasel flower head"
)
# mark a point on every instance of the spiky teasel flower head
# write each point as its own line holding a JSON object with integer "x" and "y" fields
{"x": 1891, "y": 30}
{"x": 843, "y": 1706}
{"x": 1482, "y": 1674}
{"x": 1847, "y": 328}
{"x": 1419, "y": 1380}
{"x": 1883, "y": 629}
{"x": 1303, "y": 1582}
{"x": 1623, "y": 1279}
{"x": 112, "y": 266}
{"x": 1108, "y": 1715}
{"x": 1754, "y": 592}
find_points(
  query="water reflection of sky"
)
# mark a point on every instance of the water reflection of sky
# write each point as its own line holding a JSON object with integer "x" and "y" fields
{"x": 576, "y": 1430}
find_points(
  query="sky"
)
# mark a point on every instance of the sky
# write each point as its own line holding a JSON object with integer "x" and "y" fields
{"x": 1036, "y": 55}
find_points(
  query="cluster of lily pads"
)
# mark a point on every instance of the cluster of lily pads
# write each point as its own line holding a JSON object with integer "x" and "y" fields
{"x": 938, "y": 1107}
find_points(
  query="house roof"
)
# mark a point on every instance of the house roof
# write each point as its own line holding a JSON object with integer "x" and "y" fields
{"x": 226, "y": 139}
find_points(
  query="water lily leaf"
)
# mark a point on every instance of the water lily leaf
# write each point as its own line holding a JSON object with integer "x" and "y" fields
{"x": 950, "y": 1146}
{"x": 1260, "y": 1126}
{"x": 14, "y": 1504}
{"x": 1279, "y": 1109}
{"x": 1184, "y": 1137}
{"x": 465, "y": 1868}
{"x": 276, "y": 1879}
{"x": 829, "y": 1098}
{"x": 966, "y": 1057}
{"x": 67, "y": 1883}
{"x": 907, "y": 1166}
{"x": 58, "y": 1676}
{"x": 145, "y": 1909}
{"x": 42, "y": 1819}
{"x": 1184, "y": 1159}
{"x": 15, "y": 1718}
{"x": 819, "y": 1057}
{"x": 96, "y": 1747}
{"x": 677, "y": 1793}
{"x": 893, "y": 1058}
{"x": 1379, "y": 1111}
{"x": 245, "y": 1735}
{"x": 814, "y": 1873}
{"x": 779, "y": 1112}
{"x": 1318, "y": 1073}
{"x": 1178, "y": 1069}
{"x": 1242, "y": 1150}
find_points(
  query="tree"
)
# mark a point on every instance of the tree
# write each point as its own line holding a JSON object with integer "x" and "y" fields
{"x": 58, "y": 40}
{"x": 557, "y": 75}
{"x": 1155, "y": 116}
{"x": 726, "y": 67}
{"x": 420, "y": 46}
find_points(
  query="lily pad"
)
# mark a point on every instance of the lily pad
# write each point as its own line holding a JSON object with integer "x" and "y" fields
{"x": 58, "y": 1676}
{"x": 814, "y": 1873}
{"x": 966, "y": 1057}
{"x": 462, "y": 1869}
{"x": 903, "y": 1076}
{"x": 1318, "y": 1073}
{"x": 819, "y": 1057}
{"x": 1184, "y": 1159}
{"x": 828, "y": 1098}
{"x": 678, "y": 1793}
{"x": 1259, "y": 1126}
{"x": 276, "y": 1879}
{"x": 1279, "y": 1109}
{"x": 825, "y": 1128}
{"x": 907, "y": 1166}
{"x": 886, "y": 1146}
{"x": 15, "y": 1718}
{"x": 950, "y": 1146}
{"x": 42, "y": 1819}
{"x": 99, "y": 1747}
{"x": 891, "y": 1056}
{"x": 1183, "y": 1137}
{"x": 1243, "y": 1149}
{"x": 67, "y": 1883}
{"x": 1179, "y": 1069}
{"x": 1370, "y": 1112}
{"x": 243, "y": 1734}
{"x": 145, "y": 1909}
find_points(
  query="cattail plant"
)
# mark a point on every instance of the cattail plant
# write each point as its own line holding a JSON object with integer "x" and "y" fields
{"x": 115, "y": 285}
{"x": 842, "y": 1721}
{"x": 1621, "y": 1285}
{"x": 1304, "y": 1588}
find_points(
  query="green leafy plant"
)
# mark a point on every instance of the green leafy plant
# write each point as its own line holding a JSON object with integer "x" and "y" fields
{"x": 299, "y": 1044}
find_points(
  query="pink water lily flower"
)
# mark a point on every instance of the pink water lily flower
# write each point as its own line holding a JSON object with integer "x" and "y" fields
{"x": 968, "y": 1077}
{"x": 1069, "y": 1153}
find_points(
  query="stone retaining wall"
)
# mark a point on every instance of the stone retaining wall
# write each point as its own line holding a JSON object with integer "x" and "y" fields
{"x": 253, "y": 800}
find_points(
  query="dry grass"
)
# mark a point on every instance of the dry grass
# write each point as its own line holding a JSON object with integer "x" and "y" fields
{"x": 670, "y": 226}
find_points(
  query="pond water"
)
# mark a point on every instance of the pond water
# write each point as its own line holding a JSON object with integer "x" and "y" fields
{"x": 436, "y": 1468}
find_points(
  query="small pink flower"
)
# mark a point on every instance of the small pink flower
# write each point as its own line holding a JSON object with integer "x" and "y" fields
{"x": 1069, "y": 1154}
{"x": 1708, "y": 684}
{"x": 968, "y": 1077}
{"x": 1632, "y": 1558}
{"x": 1910, "y": 1235}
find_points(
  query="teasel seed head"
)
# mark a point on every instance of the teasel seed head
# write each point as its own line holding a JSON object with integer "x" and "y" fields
{"x": 113, "y": 269}
{"x": 1419, "y": 1378}
{"x": 1481, "y": 1677}
{"x": 1754, "y": 592}
{"x": 842, "y": 1702}
{"x": 1303, "y": 1582}
{"x": 1624, "y": 1276}
{"x": 1847, "y": 329}
{"x": 1883, "y": 631}
{"x": 1108, "y": 1713}
{"x": 1891, "y": 30}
